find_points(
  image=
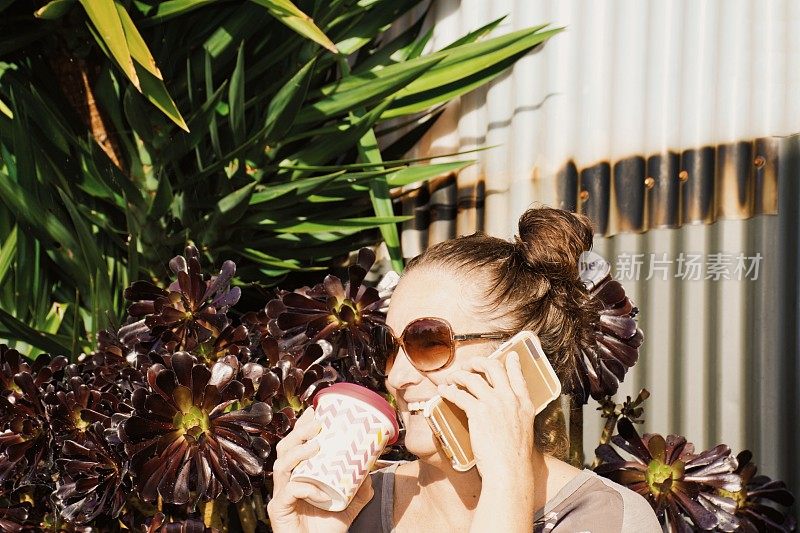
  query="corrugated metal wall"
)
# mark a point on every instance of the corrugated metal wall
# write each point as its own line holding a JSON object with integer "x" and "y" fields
{"x": 669, "y": 123}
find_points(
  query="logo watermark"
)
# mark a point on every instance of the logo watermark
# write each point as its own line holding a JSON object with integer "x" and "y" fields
{"x": 688, "y": 266}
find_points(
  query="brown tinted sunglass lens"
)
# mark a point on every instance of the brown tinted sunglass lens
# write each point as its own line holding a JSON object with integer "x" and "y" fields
{"x": 385, "y": 344}
{"x": 428, "y": 343}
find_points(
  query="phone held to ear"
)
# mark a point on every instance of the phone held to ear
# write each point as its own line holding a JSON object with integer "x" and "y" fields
{"x": 449, "y": 423}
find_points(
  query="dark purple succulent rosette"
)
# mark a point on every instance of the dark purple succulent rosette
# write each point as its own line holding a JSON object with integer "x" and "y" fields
{"x": 43, "y": 370}
{"x": 189, "y": 439}
{"x": 93, "y": 477}
{"x": 186, "y": 315}
{"x": 343, "y": 314}
{"x": 72, "y": 410}
{"x": 686, "y": 489}
{"x": 108, "y": 369}
{"x": 603, "y": 365}
{"x": 25, "y": 439}
{"x": 762, "y": 502}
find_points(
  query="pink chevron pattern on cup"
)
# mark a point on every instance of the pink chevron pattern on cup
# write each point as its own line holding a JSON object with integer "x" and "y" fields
{"x": 351, "y": 440}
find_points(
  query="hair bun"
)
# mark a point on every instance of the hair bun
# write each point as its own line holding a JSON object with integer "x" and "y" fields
{"x": 552, "y": 240}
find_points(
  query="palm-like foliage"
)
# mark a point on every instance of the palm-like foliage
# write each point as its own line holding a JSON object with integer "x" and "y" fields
{"x": 129, "y": 128}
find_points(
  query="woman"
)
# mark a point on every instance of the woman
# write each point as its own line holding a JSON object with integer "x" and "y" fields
{"x": 478, "y": 284}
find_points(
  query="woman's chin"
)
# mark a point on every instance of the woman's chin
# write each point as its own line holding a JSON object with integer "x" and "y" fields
{"x": 418, "y": 438}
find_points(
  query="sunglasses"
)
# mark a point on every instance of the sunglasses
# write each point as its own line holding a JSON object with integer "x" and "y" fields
{"x": 429, "y": 343}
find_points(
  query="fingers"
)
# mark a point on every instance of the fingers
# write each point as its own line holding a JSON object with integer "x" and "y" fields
{"x": 474, "y": 383}
{"x": 463, "y": 400}
{"x": 304, "y": 429}
{"x": 493, "y": 370}
{"x": 517, "y": 382}
{"x": 287, "y": 462}
{"x": 296, "y": 446}
{"x": 299, "y": 490}
{"x": 283, "y": 502}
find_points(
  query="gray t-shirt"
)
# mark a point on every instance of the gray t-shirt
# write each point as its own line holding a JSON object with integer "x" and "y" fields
{"x": 588, "y": 503}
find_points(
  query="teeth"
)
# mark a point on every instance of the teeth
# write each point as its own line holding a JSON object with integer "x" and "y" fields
{"x": 416, "y": 406}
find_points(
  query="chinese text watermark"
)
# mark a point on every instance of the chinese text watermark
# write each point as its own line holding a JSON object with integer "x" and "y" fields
{"x": 688, "y": 266}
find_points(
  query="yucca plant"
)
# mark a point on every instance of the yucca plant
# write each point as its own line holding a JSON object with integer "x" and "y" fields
{"x": 130, "y": 128}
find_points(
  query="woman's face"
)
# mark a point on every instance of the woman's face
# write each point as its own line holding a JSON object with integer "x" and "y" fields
{"x": 432, "y": 292}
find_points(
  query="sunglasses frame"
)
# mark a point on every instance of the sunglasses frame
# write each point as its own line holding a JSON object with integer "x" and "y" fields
{"x": 454, "y": 340}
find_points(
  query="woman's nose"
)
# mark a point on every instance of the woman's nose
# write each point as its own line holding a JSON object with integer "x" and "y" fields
{"x": 403, "y": 373}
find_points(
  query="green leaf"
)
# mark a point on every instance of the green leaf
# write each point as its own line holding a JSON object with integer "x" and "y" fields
{"x": 403, "y": 144}
{"x": 162, "y": 200}
{"x": 18, "y": 330}
{"x": 415, "y": 49}
{"x": 243, "y": 21}
{"x": 6, "y": 110}
{"x": 424, "y": 172}
{"x": 213, "y": 130}
{"x": 105, "y": 18}
{"x": 236, "y": 98}
{"x": 460, "y": 73}
{"x": 454, "y": 64}
{"x": 7, "y": 253}
{"x": 286, "y": 103}
{"x": 54, "y": 318}
{"x": 155, "y": 91}
{"x": 301, "y": 188}
{"x": 54, "y": 10}
{"x": 28, "y": 210}
{"x": 174, "y": 8}
{"x": 289, "y": 14}
{"x": 393, "y": 162}
{"x": 473, "y": 36}
{"x": 393, "y": 51}
{"x": 378, "y": 188}
{"x": 372, "y": 19}
{"x": 138, "y": 48}
{"x": 201, "y": 123}
{"x": 325, "y": 147}
{"x": 100, "y": 285}
{"x": 280, "y": 116}
{"x": 233, "y": 205}
{"x": 268, "y": 260}
{"x": 371, "y": 87}
{"x": 467, "y": 59}
{"x": 381, "y": 199}
{"x": 344, "y": 224}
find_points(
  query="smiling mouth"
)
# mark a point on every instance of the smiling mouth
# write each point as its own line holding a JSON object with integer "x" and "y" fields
{"x": 416, "y": 408}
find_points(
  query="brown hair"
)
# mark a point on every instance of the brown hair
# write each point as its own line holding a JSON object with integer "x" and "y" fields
{"x": 533, "y": 283}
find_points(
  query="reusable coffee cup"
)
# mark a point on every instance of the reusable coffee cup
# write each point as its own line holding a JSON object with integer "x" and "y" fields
{"x": 357, "y": 424}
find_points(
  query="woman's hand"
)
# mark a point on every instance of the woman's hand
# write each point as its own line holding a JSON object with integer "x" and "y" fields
{"x": 500, "y": 415}
{"x": 288, "y": 510}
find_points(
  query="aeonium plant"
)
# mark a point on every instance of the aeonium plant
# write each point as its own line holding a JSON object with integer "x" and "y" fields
{"x": 711, "y": 490}
{"x": 171, "y": 423}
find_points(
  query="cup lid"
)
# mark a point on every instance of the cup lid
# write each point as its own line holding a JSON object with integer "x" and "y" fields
{"x": 367, "y": 396}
